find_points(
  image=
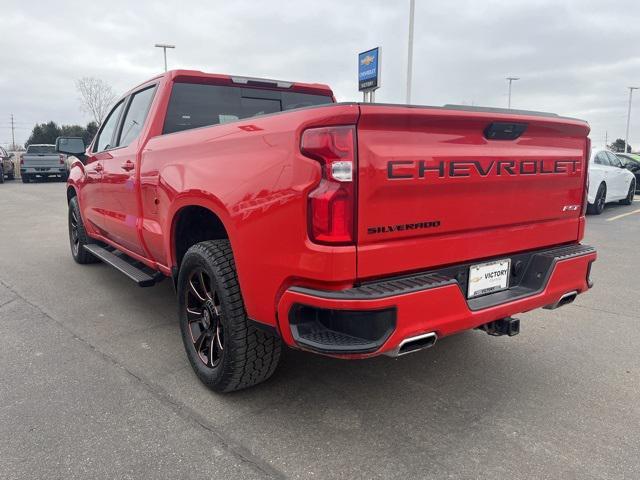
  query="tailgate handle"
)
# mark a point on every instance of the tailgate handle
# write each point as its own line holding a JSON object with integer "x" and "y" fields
{"x": 504, "y": 130}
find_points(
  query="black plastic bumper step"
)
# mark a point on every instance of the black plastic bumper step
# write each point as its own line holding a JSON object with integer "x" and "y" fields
{"x": 530, "y": 273}
{"x": 384, "y": 288}
{"x": 324, "y": 338}
{"x": 124, "y": 265}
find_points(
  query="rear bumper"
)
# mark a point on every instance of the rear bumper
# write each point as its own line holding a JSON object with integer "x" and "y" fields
{"x": 376, "y": 317}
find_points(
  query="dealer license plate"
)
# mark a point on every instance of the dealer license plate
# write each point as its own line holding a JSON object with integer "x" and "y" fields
{"x": 489, "y": 277}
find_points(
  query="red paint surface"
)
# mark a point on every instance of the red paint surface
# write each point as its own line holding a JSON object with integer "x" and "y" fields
{"x": 252, "y": 175}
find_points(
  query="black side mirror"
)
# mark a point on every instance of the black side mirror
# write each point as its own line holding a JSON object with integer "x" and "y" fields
{"x": 11, "y": 155}
{"x": 71, "y": 146}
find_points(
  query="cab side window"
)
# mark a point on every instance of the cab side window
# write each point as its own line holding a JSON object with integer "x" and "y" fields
{"x": 105, "y": 140}
{"x": 136, "y": 115}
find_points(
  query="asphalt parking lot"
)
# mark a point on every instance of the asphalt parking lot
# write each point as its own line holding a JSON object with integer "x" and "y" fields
{"x": 94, "y": 382}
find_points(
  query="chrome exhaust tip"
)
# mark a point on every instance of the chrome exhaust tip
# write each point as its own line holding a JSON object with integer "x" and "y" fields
{"x": 414, "y": 344}
{"x": 565, "y": 299}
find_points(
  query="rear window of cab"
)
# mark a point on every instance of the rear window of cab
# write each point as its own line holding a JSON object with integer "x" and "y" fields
{"x": 41, "y": 149}
{"x": 194, "y": 105}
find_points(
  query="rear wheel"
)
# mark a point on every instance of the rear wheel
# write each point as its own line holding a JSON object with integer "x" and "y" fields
{"x": 225, "y": 350}
{"x": 78, "y": 237}
{"x": 1, "y": 174}
{"x": 630, "y": 194}
{"x": 26, "y": 178}
{"x": 597, "y": 206}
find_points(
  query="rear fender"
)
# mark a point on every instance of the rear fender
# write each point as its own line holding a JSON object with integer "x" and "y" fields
{"x": 197, "y": 198}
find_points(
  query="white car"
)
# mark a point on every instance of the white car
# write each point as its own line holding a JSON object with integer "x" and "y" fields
{"x": 609, "y": 181}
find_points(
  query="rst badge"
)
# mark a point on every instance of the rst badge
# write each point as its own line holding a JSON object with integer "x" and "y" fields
{"x": 571, "y": 208}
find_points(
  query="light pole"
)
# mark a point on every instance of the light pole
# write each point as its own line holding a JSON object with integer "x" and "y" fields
{"x": 412, "y": 11}
{"x": 511, "y": 80}
{"x": 164, "y": 47}
{"x": 626, "y": 136}
{"x": 13, "y": 134}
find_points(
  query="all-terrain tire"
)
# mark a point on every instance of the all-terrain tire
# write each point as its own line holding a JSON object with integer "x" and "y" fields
{"x": 78, "y": 237}
{"x": 249, "y": 355}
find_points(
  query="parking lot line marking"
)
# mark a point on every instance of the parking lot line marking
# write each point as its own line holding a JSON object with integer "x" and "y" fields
{"x": 623, "y": 215}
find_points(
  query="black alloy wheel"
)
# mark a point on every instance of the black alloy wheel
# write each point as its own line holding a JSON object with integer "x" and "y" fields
{"x": 78, "y": 237}
{"x": 204, "y": 315}
{"x": 74, "y": 236}
{"x": 224, "y": 347}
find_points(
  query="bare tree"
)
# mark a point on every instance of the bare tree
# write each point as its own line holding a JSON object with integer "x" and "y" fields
{"x": 96, "y": 97}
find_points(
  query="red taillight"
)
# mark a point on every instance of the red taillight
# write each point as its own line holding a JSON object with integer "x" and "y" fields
{"x": 61, "y": 159}
{"x": 21, "y": 159}
{"x": 332, "y": 203}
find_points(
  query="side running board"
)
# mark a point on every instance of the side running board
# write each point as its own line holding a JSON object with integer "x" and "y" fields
{"x": 129, "y": 267}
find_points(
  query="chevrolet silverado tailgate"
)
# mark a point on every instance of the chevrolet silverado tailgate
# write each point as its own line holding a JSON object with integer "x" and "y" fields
{"x": 41, "y": 160}
{"x": 438, "y": 186}
{"x": 40, "y": 156}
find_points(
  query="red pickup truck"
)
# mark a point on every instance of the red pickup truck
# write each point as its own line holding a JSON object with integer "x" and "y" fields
{"x": 344, "y": 229}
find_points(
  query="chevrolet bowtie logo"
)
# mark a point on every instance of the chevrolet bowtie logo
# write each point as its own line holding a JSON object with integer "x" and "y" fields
{"x": 368, "y": 60}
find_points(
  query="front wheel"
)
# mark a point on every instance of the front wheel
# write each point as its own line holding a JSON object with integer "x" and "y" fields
{"x": 78, "y": 237}
{"x": 224, "y": 349}
{"x": 597, "y": 206}
{"x": 632, "y": 192}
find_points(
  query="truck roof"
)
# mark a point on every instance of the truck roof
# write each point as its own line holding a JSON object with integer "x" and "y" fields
{"x": 238, "y": 80}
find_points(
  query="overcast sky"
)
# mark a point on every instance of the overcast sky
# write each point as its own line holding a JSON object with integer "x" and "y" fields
{"x": 574, "y": 57}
